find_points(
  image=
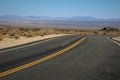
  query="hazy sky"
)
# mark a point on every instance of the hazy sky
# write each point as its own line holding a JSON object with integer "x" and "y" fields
{"x": 61, "y": 8}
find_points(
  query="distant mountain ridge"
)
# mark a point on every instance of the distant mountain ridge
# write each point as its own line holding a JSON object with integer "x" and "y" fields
{"x": 74, "y": 18}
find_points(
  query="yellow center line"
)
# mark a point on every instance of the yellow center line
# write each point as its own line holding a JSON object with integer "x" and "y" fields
{"x": 41, "y": 60}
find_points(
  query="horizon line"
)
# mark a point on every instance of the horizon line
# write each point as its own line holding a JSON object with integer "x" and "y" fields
{"x": 58, "y": 16}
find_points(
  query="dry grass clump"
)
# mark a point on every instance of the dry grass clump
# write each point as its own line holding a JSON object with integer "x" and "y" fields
{"x": 40, "y": 33}
{"x": 1, "y": 36}
{"x": 29, "y": 34}
{"x": 13, "y": 32}
{"x": 37, "y": 32}
{"x": 17, "y": 36}
{"x": 114, "y": 33}
{"x": 101, "y": 32}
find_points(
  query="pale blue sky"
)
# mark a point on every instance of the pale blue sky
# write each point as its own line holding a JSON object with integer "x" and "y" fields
{"x": 61, "y": 8}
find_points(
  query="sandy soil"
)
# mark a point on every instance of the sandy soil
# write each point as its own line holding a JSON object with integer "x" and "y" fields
{"x": 10, "y": 42}
{"x": 117, "y": 38}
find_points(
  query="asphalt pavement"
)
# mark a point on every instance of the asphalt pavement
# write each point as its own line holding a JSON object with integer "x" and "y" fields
{"x": 11, "y": 58}
{"x": 96, "y": 58}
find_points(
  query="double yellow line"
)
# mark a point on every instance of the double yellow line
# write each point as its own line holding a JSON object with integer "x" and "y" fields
{"x": 41, "y": 60}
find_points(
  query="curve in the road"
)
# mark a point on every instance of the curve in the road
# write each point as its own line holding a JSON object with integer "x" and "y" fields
{"x": 42, "y": 59}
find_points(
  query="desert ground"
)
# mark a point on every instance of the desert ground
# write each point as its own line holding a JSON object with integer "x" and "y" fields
{"x": 117, "y": 38}
{"x": 13, "y": 36}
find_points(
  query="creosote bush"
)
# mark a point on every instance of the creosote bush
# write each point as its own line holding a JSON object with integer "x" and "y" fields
{"x": 17, "y": 36}
{"x": 1, "y": 36}
{"x": 29, "y": 34}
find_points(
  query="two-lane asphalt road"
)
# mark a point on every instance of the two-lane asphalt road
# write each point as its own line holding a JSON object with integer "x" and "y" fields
{"x": 95, "y": 58}
{"x": 18, "y": 56}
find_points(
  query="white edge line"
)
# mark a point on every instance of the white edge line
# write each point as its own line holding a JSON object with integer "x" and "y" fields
{"x": 27, "y": 45}
{"x": 113, "y": 41}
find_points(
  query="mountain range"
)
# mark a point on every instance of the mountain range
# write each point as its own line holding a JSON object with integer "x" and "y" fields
{"x": 74, "y": 18}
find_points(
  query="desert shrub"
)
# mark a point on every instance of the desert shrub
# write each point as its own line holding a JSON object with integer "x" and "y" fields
{"x": 46, "y": 31}
{"x": 50, "y": 31}
{"x": 24, "y": 29}
{"x": 42, "y": 32}
{"x": 25, "y": 34}
{"x": 29, "y": 34}
{"x": 13, "y": 32}
{"x": 1, "y": 36}
{"x": 3, "y": 30}
{"x": 72, "y": 32}
{"x": 95, "y": 32}
{"x": 39, "y": 33}
{"x": 114, "y": 32}
{"x": 17, "y": 36}
{"x": 57, "y": 32}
